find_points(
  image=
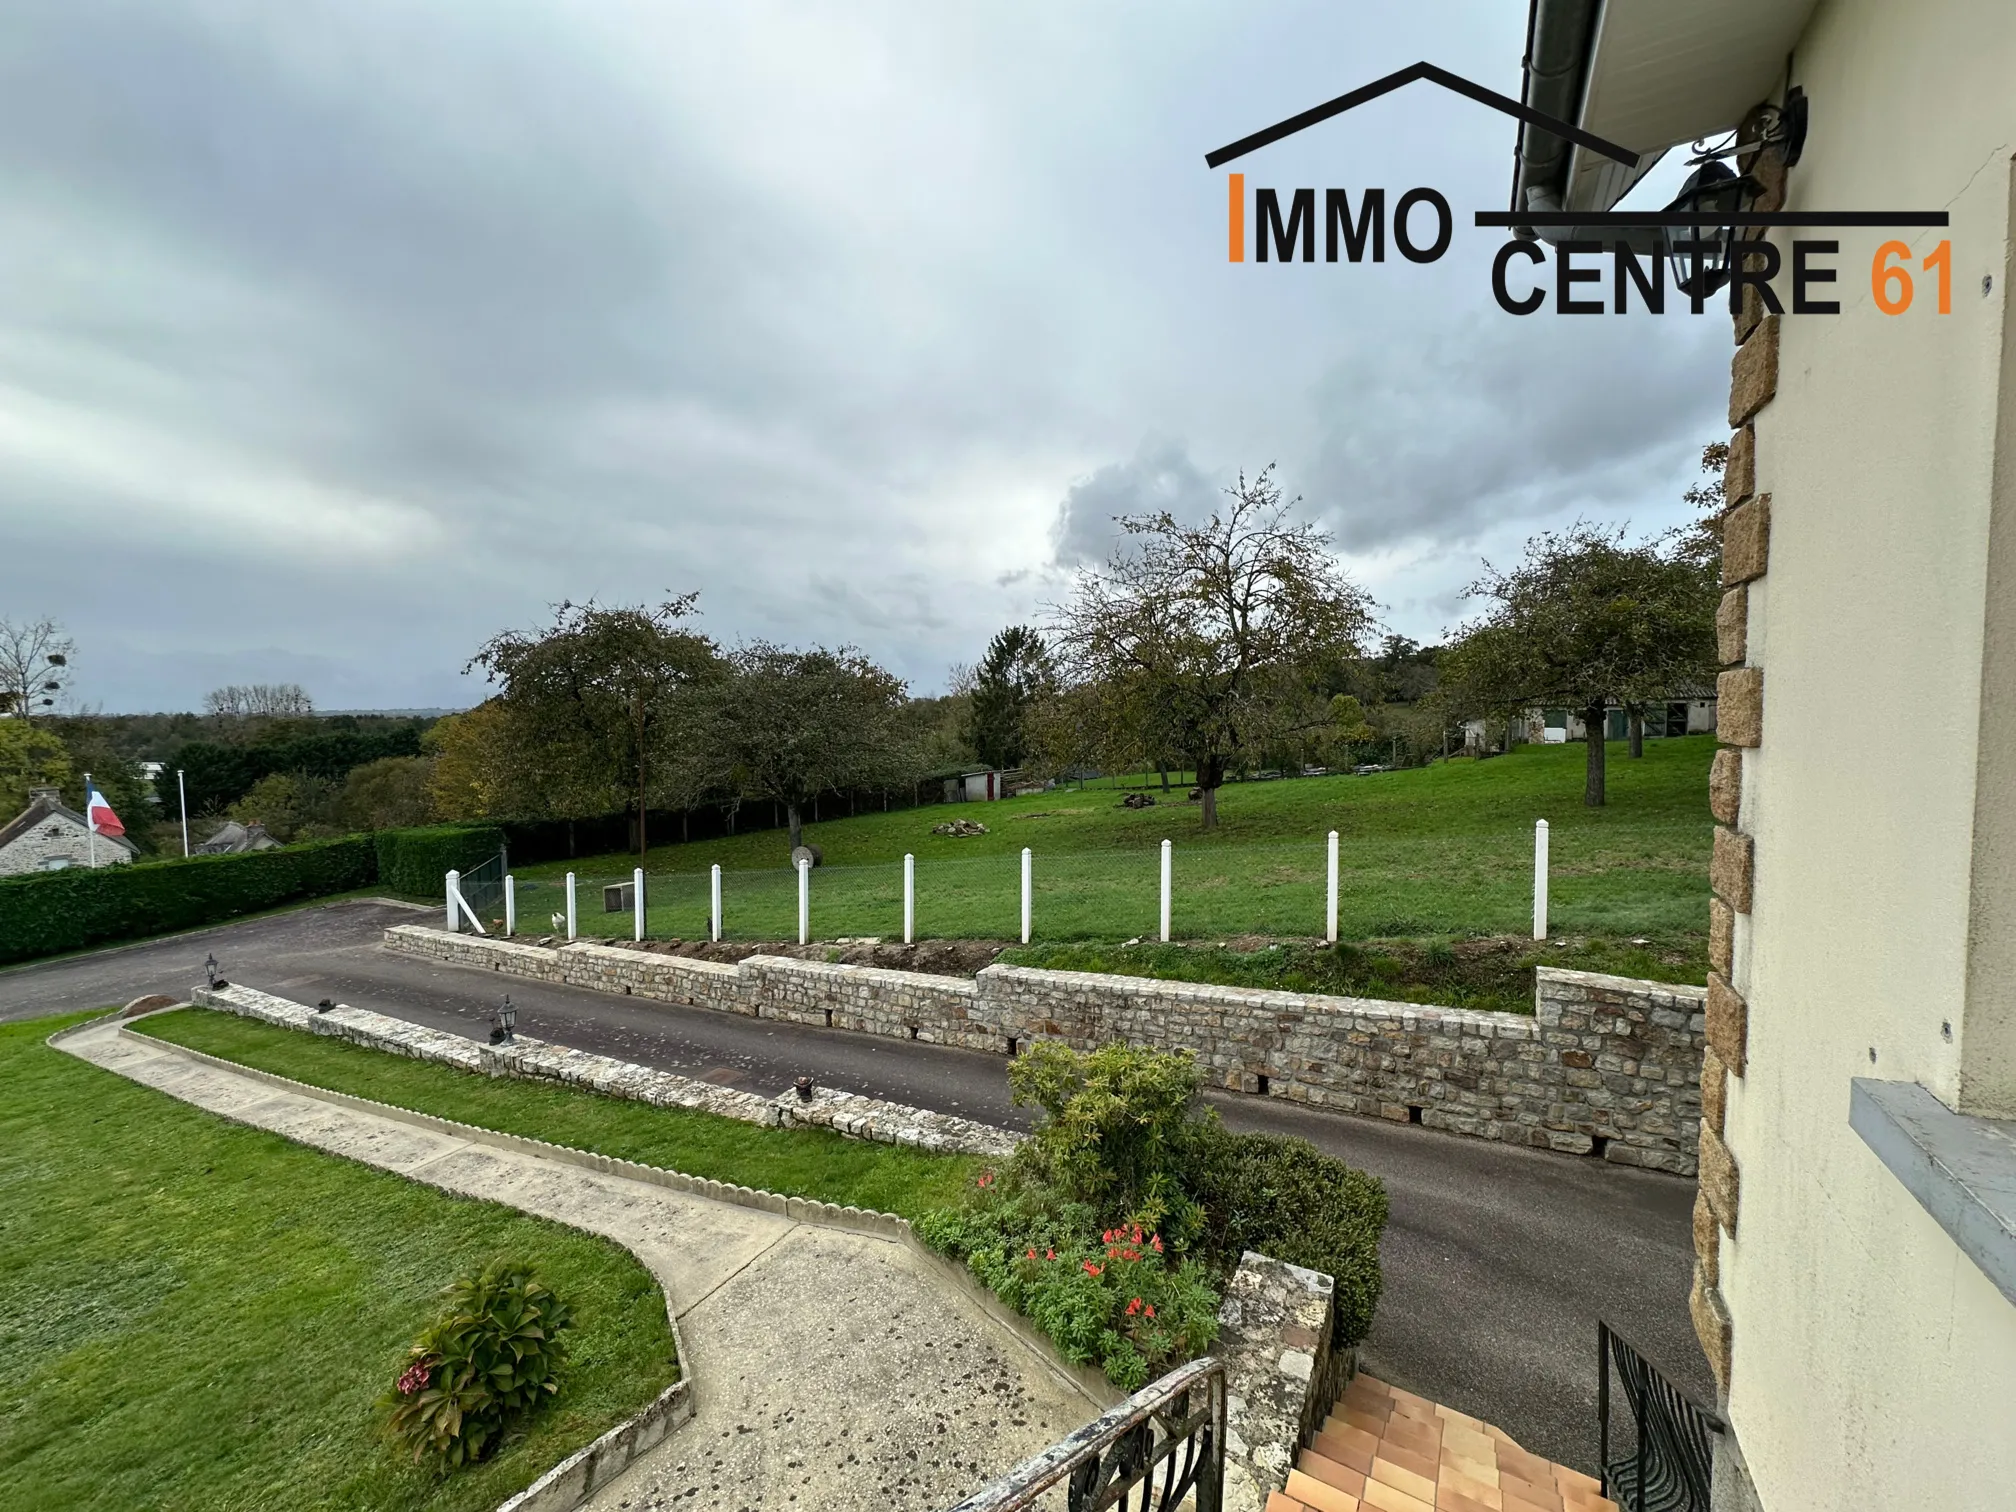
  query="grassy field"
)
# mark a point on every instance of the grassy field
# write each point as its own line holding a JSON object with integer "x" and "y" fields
{"x": 198, "y": 1317}
{"x": 1444, "y": 851}
{"x": 796, "y": 1162}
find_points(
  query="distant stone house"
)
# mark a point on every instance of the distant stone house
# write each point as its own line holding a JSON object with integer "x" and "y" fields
{"x": 235, "y": 839}
{"x": 49, "y": 836}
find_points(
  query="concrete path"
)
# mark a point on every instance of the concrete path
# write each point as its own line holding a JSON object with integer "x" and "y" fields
{"x": 1498, "y": 1260}
{"x": 828, "y": 1369}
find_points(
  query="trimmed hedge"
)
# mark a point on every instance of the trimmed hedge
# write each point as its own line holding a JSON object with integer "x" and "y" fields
{"x": 414, "y": 862}
{"x": 48, "y": 913}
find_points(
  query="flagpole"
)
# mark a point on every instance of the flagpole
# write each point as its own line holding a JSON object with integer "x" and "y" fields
{"x": 90, "y": 829}
{"x": 183, "y": 788}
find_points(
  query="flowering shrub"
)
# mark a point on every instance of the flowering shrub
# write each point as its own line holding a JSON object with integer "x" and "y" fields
{"x": 1116, "y": 1298}
{"x": 493, "y": 1356}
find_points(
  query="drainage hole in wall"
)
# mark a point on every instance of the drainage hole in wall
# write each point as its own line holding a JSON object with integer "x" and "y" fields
{"x": 1414, "y": 1113}
{"x": 829, "y": 1018}
{"x": 626, "y": 989}
{"x": 1598, "y": 1143}
{"x": 1262, "y": 1088}
{"x": 913, "y": 1031}
{"x": 1011, "y": 1048}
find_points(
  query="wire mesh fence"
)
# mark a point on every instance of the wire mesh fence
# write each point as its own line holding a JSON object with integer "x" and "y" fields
{"x": 1414, "y": 885}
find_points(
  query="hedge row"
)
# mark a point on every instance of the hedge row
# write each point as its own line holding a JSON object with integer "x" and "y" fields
{"x": 414, "y": 862}
{"x": 216, "y": 774}
{"x": 48, "y": 913}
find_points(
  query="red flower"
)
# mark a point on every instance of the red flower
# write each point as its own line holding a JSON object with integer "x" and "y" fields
{"x": 1032, "y": 1254}
{"x": 984, "y": 1179}
{"x": 1156, "y": 1244}
{"x": 1049, "y": 1254}
{"x": 1093, "y": 1270}
{"x": 1135, "y": 1307}
{"x": 1151, "y": 1309}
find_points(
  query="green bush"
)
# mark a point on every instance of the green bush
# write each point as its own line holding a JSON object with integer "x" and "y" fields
{"x": 1176, "y": 1199}
{"x": 1287, "y": 1199}
{"x": 491, "y": 1358}
{"x": 47, "y": 913}
{"x": 414, "y": 862}
{"x": 1111, "y": 1120}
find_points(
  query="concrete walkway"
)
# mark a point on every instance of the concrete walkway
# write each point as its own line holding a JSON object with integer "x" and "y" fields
{"x": 828, "y": 1368}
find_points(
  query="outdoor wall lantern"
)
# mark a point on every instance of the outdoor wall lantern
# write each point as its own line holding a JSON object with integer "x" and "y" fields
{"x": 1702, "y": 254}
{"x": 506, "y": 1022}
{"x": 804, "y": 1089}
{"x": 210, "y": 971}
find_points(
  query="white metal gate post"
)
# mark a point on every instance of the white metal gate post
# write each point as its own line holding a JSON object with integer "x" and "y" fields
{"x": 1166, "y": 850}
{"x": 637, "y": 898}
{"x": 714, "y": 902}
{"x": 1028, "y": 887}
{"x": 909, "y": 898}
{"x": 1330, "y": 903}
{"x": 804, "y": 902}
{"x": 570, "y": 905}
{"x": 510, "y": 905}
{"x": 1540, "y": 879}
{"x": 453, "y": 885}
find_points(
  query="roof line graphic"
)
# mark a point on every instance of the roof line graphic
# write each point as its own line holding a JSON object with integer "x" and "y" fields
{"x": 1403, "y": 78}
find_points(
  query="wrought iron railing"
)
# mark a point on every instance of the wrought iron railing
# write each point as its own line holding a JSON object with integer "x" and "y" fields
{"x": 1173, "y": 1428}
{"x": 1666, "y": 1466}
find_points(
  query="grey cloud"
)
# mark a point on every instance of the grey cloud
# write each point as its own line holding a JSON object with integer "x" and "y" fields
{"x": 1159, "y": 476}
{"x": 1503, "y": 418}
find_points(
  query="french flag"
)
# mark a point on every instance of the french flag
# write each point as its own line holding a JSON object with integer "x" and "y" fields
{"x": 99, "y": 812}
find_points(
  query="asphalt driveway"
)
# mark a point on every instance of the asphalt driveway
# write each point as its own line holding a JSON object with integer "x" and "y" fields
{"x": 1498, "y": 1260}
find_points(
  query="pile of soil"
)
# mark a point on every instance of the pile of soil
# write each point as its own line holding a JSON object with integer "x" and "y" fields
{"x": 935, "y": 957}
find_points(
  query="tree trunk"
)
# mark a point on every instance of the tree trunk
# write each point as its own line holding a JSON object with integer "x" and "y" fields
{"x": 1592, "y": 726}
{"x": 1209, "y": 775}
{"x": 797, "y": 829}
{"x": 1163, "y": 768}
{"x": 1637, "y": 733}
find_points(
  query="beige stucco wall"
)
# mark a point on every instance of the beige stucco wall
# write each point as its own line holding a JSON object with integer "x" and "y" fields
{"x": 1873, "y": 1364}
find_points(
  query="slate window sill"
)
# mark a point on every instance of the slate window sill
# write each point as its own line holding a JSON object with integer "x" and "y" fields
{"x": 1961, "y": 1169}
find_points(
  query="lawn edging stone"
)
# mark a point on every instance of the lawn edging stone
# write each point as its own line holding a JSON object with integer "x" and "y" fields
{"x": 1605, "y": 1065}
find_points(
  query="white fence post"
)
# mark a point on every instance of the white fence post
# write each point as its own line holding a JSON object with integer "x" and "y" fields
{"x": 909, "y": 897}
{"x": 1166, "y": 849}
{"x": 453, "y": 886}
{"x": 570, "y": 905}
{"x": 637, "y": 898}
{"x": 804, "y": 902}
{"x": 714, "y": 902}
{"x": 1028, "y": 889}
{"x": 1330, "y": 905}
{"x": 1540, "y": 879}
{"x": 510, "y": 905}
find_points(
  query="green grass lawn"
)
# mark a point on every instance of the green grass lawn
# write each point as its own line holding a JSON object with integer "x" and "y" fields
{"x": 199, "y": 1317}
{"x": 1445, "y": 850}
{"x": 796, "y": 1162}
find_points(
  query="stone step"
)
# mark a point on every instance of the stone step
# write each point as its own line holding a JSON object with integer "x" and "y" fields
{"x": 1387, "y": 1450}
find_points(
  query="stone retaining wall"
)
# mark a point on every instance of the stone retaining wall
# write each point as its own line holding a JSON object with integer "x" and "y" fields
{"x": 532, "y": 1059}
{"x": 1605, "y": 1065}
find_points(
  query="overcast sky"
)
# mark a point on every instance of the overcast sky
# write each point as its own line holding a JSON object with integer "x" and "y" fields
{"x": 334, "y": 336}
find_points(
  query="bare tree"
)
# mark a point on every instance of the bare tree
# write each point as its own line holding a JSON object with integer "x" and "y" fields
{"x": 1218, "y": 629}
{"x": 34, "y": 666}
{"x": 259, "y": 701}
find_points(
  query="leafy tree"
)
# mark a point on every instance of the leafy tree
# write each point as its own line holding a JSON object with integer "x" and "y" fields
{"x": 1587, "y": 621}
{"x": 1220, "y": 628}
{"x": 30, "y": 756}
{"x": 600, "y": 697}
{"x": 241, "y": 701}
{"x": 788, "y": 725}
{"x": 479, "y": 763}
{"x": 34, "y": 666}
{"x": 1014, "y": 673}
{"x": 390, "y": 793}
{"x": 291, "y": 806}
